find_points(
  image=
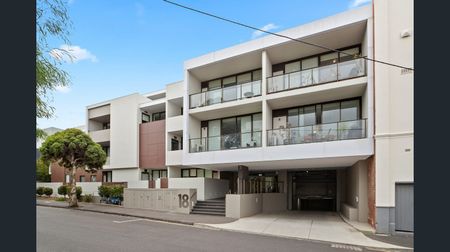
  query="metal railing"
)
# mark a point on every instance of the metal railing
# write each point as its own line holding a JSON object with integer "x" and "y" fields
{"x": 226, "y": 142}
{"x": 335, "y": 72}
{"x": 317, "y": 133}
{"x": 226, "y": 94}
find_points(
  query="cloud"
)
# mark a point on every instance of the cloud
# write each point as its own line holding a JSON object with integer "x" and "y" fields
{"x": 266, "y": 27}
{"x": 70, "y": 1}
{"x": 63, "y": 89}
{"x": 356, "y": 3}
{"x": 72, "y": 54}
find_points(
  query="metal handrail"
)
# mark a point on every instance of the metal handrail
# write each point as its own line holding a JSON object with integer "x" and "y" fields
{"x": 237, "y": 144}
{"x": 338, "y": 70}
{"x": 314, "y": 133}
{"x": 239, "y": 95}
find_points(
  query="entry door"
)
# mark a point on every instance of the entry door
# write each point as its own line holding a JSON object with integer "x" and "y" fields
{"x": 404, "y": 207}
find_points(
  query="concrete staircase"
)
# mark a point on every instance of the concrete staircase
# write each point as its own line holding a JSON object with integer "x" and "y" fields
{"x": 210, "y": 207}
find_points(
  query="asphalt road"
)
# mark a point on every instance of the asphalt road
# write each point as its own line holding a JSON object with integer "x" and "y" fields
{"x": 71, "y": 230}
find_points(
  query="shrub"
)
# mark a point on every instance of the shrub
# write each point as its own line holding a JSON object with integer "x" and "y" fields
{"x": 104, "y": 191}
{"x": 62, "y": 190}
{"x": 60, "y": 199}
{"x": 48, "y": 191}
{"x": 117, "y": 192}
{"x": 88, "y": 198}
{"x": 40, "y": 191}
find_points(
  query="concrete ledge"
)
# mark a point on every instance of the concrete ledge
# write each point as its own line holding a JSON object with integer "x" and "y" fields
{"x": 351, "y": 213}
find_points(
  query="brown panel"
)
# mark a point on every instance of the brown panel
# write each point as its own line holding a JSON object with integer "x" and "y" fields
{"x": 152, "y": 144}
{"x": 371, "y": 190}
{"x": 58, "y": 174}
{"x": 164, "y": 183}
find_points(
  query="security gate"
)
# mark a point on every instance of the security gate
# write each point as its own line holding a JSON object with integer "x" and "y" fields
{"x": 404, "y": 207}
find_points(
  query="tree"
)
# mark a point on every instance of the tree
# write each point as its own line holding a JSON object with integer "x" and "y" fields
{"x": 52, "y": 22}
{"x": 73, "y": 149}
{"x": 42, "y": 174}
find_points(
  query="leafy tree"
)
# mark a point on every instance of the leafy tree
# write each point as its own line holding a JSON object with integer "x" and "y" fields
{"x": 42, "y": 174}
{"x": 73, "y": 149}
{"x": 52, "y": 22}
{"x": 48, "y": 191}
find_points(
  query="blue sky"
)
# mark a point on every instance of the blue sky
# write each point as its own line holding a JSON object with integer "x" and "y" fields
{"x": 122, "y": 47}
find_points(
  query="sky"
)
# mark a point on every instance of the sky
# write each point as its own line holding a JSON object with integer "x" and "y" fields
{"x": 120, "y": 47}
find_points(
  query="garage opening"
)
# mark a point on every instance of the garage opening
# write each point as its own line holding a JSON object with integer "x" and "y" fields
{"x": 314, "y": 190}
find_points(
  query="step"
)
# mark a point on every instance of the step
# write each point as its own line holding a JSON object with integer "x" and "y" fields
{"x": 209, "y": 206}
{"x": 210, "y": 203}
{"x": 208, "y": 213}
{"x": 209, "y": 210}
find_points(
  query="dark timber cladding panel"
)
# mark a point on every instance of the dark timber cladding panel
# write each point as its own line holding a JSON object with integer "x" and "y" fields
{"x": 152, "y": 144}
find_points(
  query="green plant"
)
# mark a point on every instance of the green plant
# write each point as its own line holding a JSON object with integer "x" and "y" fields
{"x": 60, "y": 199}
{"x": 104, "y": 191}
{"x": 73, "y": 149}
{"x": 62, "y": 190}
{"x": 42, "y": 168}
{"x": 40, "y": 191}
{"x": 88, "y": 198}
{"x": 117, "y": 192}
{"x": 48, "y": 191}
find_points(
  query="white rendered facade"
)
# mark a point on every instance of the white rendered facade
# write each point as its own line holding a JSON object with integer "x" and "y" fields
{"x": 366, "y": 166}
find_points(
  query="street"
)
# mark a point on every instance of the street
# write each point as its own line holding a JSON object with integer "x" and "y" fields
{"x": 72, "y": 230}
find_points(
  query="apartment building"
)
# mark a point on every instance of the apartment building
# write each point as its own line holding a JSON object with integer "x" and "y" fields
{"x": 309, "y": 128}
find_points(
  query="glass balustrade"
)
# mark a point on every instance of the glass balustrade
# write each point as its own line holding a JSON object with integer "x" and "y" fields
{"x": 340, "y": 71}
{"x": 317, "y": 133}
{"x": 226, "y": 142}
{"x": 226, "y": 94}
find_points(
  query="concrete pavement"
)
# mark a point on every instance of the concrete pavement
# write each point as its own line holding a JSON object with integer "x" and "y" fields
{"x": 321, "y": 226}
{"x": 187, "y": 219}
{"x": 66, "y": 230}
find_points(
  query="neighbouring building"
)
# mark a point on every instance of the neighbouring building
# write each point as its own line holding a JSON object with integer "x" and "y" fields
{"x": 305, "y": 127}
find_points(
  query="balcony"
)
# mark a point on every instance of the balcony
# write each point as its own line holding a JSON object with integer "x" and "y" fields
{"x": 314, "y": 76}
{"x": 226, "y": 142}
{"x": 318, "y": 133}
{"x": 226, "y": 94}
{"x": 99, "y": 136}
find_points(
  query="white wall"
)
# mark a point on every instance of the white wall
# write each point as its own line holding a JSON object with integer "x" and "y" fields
{"x": 137, "y": 184}
{"x": 243, "y": 205}
{"x": 174, "y": 90}
{"x": 125, "y": 116}
{"x": 126, "y": 175}
{"x": 206, "y": 188}
{"x": 394, "y": 105}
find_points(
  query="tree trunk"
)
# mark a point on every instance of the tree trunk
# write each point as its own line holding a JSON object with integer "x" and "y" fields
{"x": 73, "y": 202}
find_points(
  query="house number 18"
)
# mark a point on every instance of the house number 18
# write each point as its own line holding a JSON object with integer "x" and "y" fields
{"x": 183, "y": 200}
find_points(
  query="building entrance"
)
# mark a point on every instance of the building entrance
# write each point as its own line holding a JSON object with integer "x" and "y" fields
{"x": 314, "y": 190}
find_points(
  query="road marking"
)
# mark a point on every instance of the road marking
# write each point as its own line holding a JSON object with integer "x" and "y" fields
{"x": 348, "y": 247}
{"x": 125, "y": 221}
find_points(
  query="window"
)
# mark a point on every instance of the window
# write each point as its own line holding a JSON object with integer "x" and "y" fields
{"x": 349, "y": 110}
{"x": 354, "y": 53}
{"x": 67, "y": 178}
{"x": 163, "y": 173}
{"x": 200, "y": 173}
{"x": 328, "y": 59}
{"x": 292, "y": 118}
{"x": 185, "y": 173}
{"x": 192, "y": 172}
{"x": 82, "y": 178}
{"x": 244, "y": 78}
{"x": 229, "y": 81}
{"x": 330, "y": 112}
{"x": 145, "y": 118}
{"x": 174, "y": 144}
{"x": 107, "y": 176}
{"x": 257, "y": 75}
{"x": 155, "y": 174}
{"x": 106, "y": 125}
{"x": 93, "y": 178}
{"x": 215, "y": 84}
{"x": 158, "y": 116}
{"x": 145, "y": 175}
{"x": 307, "y": 116}
{"x": 208, "y": 174}
{"x": 215, "y": 174}
{"x": 235, "y": 79}
{"x": 106, "y": 150}
{"x": 214, "y": 135}
{"x": 292, "y": 67}
{"x": 309, "y": 63}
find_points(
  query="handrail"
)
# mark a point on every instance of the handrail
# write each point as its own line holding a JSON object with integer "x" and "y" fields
{"x": 233, "y": 141}
{"x": 225, "y": 94}
{"x": 343, "y": 130}
{"x": 318, "y": 75}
